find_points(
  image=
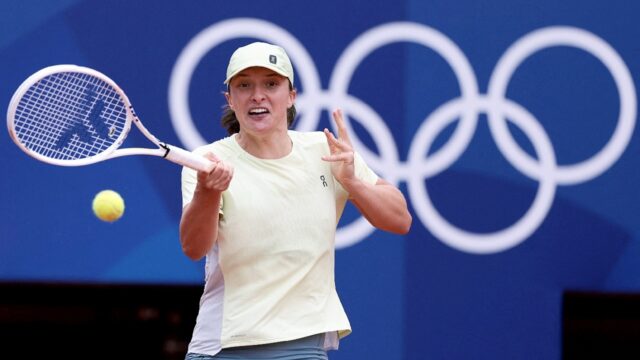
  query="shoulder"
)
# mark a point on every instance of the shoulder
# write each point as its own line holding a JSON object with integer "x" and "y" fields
{"x": 309, "y": 139}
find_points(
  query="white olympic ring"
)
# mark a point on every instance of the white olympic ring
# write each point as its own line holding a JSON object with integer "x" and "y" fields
{"x": 565, "y": 36}
{"x": 466, "y": 108}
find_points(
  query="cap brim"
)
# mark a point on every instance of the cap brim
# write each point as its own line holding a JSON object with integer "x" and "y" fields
{"x": 250, "y": 65}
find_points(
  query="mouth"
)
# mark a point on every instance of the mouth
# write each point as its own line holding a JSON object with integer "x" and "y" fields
{"x": 258, "y": 111}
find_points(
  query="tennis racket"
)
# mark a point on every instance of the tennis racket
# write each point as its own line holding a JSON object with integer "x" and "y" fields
{"x": 72, "y": 115}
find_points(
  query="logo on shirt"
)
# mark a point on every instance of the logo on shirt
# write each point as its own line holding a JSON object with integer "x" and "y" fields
{"x": 324, "y": 181}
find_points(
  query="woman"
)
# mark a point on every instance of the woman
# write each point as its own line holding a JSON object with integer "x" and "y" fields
{"x": 265, "y": 218}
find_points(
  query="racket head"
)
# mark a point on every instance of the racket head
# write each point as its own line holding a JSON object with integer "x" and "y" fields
{"x": 69, "y": 115}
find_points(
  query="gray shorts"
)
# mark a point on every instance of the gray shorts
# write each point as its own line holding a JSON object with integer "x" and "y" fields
{"x": 307, "y": 348}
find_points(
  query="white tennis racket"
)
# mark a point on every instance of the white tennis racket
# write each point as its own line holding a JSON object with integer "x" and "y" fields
{"x": 71, "y": 115}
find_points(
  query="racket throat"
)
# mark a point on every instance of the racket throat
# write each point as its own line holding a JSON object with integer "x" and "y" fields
{"x": 166, "y": 148}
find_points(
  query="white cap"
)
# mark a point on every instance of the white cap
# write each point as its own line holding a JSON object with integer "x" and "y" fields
{"x": 262, "y": 55}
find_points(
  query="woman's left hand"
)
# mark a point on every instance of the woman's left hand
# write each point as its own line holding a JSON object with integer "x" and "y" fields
{"x": 341, "y": 151}
{"x": 382, "y": 204}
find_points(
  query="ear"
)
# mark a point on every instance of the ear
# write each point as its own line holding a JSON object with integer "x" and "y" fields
{"x": 292, "y": 98}
{"x": 227, "y": 96}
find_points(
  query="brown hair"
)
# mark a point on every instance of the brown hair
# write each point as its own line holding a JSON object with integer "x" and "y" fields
{"x": 230, "y": 122}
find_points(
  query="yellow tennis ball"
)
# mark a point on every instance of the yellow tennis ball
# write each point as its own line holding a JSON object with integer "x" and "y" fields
{"x": 108, "y": 205}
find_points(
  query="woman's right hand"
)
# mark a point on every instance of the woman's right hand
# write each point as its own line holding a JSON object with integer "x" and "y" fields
{"x": 218, "y": 179}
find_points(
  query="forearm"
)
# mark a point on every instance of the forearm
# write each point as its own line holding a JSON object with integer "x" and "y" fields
{"x": 199, "y": 224}
{"x": 382, "y": 204}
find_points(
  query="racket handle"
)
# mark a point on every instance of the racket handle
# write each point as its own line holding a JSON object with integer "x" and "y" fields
{"x": 186, "y": 158}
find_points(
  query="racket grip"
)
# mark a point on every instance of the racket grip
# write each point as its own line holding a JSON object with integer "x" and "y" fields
{"x": 186, "y": 158}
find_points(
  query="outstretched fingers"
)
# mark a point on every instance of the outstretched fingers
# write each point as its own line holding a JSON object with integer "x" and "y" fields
{"x": 334, "y": 144}
{"x": 343, "y": 134}
{"x": 341, "y": 157}
{"x": 342, "y": 143}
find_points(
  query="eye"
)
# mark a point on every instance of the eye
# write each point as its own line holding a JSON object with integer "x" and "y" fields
{"x": 272, "y": 84}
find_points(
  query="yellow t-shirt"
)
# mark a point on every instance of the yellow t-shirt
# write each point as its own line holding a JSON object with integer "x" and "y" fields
{"x": 273, "y": 263}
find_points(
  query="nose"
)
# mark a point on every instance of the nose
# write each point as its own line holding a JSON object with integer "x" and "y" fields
{"x": 257, "y": 95}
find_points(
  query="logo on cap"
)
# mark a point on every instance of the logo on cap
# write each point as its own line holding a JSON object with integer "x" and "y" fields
{"x": 273, "y": 59}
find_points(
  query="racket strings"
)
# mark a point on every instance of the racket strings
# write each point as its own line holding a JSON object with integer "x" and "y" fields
{"x": 69, "y": 116}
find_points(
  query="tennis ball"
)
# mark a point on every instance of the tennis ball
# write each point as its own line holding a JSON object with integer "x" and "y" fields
{"x": 108, "y": 205}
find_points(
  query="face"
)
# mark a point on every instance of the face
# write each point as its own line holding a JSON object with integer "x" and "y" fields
{"x": 260, "y": 98}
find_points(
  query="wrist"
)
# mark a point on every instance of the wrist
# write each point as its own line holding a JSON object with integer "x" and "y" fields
{"x": 207, "y": 193}
{"x": 353, "y": 186}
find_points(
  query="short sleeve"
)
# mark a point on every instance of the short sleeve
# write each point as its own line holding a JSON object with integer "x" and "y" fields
{"x": 189, "y": 181}
{"x": 363, "y": 171}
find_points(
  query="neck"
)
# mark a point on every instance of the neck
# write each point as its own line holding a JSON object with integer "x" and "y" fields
{"x": 274, "y": 146}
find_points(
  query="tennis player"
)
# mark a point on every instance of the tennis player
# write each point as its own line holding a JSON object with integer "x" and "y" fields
{"x": 265, "y": 218}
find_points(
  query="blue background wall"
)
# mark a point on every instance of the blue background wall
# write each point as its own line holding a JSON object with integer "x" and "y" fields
{"x": 424, "y": 295}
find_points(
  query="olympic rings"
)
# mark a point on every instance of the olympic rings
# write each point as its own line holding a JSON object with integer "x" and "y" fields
{"x": 566, "y": 36}
{"x": 466, "y": 108}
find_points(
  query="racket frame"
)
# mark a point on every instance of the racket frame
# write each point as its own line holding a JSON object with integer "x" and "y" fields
{"x": 164, "y": 150}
